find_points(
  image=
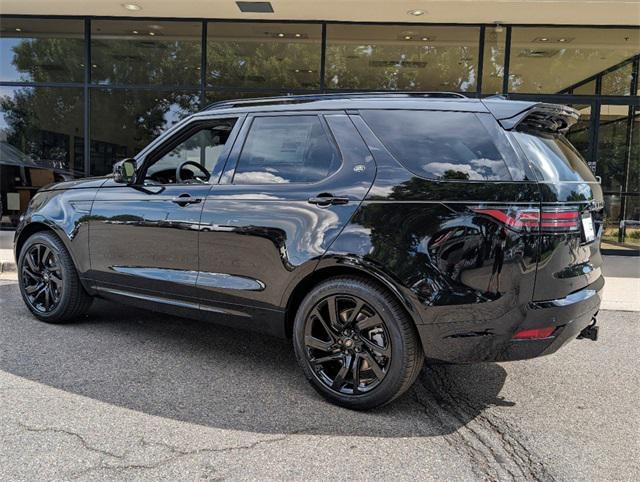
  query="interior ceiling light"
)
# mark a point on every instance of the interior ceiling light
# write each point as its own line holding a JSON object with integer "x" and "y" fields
{"x": 134, "y": 32}
{"x": 498, "y": 28}
{"x": 425, "y": 39}
{"x": 416, "y": 13}
{"x": 554, "y": 40}
{"x": 132, "y": 6}
{"x": 408, "y": 37}
{"x": 152, "y": 33}
{"x": 18, "y": 30}
{"x": 298, "y": 35}
{"x": 281, "y": 35}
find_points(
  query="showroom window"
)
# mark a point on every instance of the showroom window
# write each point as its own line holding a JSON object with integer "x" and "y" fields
{"x": 125, "y": 121}
{"x": 133, "y": 52}
{"x": 263, "y": 55}
{"x": 552, "y": 59}
{"x": 38, "y": 50}
{"x": 618, "y": 81}
{"x": 415, "y": 57}
{"x": 41, "y": 142}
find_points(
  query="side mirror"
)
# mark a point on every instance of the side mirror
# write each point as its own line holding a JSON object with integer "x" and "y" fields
{"x": 125, "y": 171}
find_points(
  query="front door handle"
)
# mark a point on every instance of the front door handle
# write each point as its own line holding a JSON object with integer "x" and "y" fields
{"x": 326, "y": 199}
{"x": 184, "y": 199}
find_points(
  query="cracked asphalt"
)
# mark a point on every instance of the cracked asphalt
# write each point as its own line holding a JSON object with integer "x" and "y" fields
{"x": 131, "y": 395}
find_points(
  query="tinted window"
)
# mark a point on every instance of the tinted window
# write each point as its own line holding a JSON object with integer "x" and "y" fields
{"x": 439, "y": 145}
{"x": 553, "y": 157}
{"x": 286, "y": 149}
{"x": 202, "y": 148}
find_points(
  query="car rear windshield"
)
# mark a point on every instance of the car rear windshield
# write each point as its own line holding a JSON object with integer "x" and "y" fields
{"x": 553, "y": 157}
{"x": 439, "y": 145}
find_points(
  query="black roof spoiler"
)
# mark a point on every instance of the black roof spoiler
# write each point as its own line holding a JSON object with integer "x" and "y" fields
{"x": 534, "y": 115}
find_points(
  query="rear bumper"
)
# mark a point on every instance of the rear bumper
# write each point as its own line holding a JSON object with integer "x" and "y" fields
{"x": 492, "y": 340}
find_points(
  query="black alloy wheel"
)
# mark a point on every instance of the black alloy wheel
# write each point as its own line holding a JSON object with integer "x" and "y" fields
{"x": 347, "y": 344}
{"x": 42, "y": 278}
{"x": 355, "y": 343}
{"x": 48, "y": 280}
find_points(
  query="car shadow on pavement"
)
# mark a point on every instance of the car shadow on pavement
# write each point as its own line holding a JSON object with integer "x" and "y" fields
{"x": 220, "y": 377}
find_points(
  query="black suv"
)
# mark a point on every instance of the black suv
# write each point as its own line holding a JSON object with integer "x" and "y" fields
{"x": 373, "y": 229}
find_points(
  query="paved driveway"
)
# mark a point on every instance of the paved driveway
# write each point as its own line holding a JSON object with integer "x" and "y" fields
{"x": 131, "y": 395}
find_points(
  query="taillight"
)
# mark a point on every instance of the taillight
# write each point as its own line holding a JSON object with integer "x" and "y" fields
{"x": 534, "y": 334}
{"x": 556, "y": 219}
{"x": 551, "y": 219}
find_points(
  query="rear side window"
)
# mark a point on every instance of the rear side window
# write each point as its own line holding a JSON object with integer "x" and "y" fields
{"x": 285, "y": 149}
{"x": 553, "y": 158}
{"x": 439, "y": 145}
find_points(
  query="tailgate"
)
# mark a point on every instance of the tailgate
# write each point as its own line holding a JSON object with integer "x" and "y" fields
{"x": 571, "y": 204}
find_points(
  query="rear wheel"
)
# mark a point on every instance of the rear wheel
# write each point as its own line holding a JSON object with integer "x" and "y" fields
{"x": 48, "y": 280}
{"x": 355, "y": 344}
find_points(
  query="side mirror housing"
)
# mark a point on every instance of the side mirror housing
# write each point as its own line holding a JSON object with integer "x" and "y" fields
{"x": 125, "y": 171}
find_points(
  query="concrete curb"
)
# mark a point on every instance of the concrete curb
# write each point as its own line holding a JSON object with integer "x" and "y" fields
{"x": 7, "y": 266}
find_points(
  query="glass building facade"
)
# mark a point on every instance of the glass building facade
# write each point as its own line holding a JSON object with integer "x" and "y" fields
{"x": 78, "y": 94}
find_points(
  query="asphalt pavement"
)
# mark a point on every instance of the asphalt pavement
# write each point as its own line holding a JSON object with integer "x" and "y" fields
{"x": 132, "y": 395}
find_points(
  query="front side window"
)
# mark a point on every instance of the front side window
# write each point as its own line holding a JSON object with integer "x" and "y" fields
{"x": 286, "y": 149}
{"x": 439, "y": 145}
{"x": 194, "y": 159}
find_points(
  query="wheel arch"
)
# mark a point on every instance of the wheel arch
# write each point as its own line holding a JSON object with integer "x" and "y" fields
{"x": 323, "y": 273}
{"x": 37, "y": 227}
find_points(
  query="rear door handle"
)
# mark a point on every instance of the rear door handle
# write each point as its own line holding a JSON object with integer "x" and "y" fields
{"x": 184, "y": 199}
{"x": 328, "y": 200}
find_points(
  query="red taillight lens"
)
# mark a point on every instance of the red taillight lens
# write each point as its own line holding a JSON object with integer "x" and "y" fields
{"x": 560, "y": 220}
{"x": 534, "y": 334}
{"x": 530, "y": 219}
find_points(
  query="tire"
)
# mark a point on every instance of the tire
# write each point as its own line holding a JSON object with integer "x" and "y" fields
{"x": 45, "y": 269}
{"x": 369, "y": 334}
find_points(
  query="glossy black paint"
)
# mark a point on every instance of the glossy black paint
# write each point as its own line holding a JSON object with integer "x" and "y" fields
{"x": 240, "y": 254}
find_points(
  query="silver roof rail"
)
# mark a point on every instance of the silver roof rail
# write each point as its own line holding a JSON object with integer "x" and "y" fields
{"x": 301, "y": 98}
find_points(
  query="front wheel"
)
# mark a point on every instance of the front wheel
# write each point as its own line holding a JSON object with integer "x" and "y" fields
{"x": 356, "y": 345}
{"x": 48, "y": 280}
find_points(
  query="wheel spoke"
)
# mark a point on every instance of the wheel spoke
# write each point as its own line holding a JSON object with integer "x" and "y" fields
{"x": 355, "y": 373}
{"x": 376, "y": 349}
{"x": 332, "y": 305}
{"x": 339, "y": 380}
{"x": 355, "y": 312}
{"x": 328, "y": 328}
{"x": 318, "y": 344}
{"x": 45, "y": 257}
{"x": 373, "y": 364}
{"x": 31, "y": 262}
{"x": 39, "y": 292}
{"x": 47, "y": 298}
{"x": 56, "y": 280}
{"x": 325, "y": 359}
{"x": 30, "y": 273}
{"x": 32, "y": 288}
{"x": 369, "y": 322}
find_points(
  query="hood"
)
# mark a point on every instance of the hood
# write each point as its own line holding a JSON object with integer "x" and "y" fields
{"x": 84, "y": 183}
